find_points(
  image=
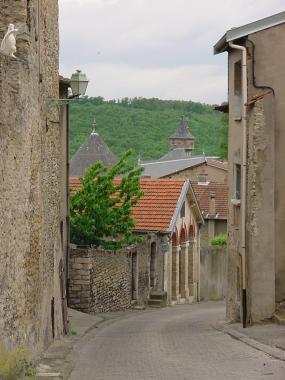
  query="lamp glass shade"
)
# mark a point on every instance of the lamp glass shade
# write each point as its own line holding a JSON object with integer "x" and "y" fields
{"x": 78, "y": 83}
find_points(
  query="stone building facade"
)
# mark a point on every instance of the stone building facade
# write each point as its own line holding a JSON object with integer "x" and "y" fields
{"x": 180, "y": 163}
{"x": 256, "y": 256}
{"x": 32, "y": 206}
{"x": 205, "y": 172}
{"x": 164, "y": 269}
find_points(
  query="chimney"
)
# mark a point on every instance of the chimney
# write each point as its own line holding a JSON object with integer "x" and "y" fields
{"x": 212, "y": 206}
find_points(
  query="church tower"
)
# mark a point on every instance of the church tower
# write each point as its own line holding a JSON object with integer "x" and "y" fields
{"x": 182, "y": 138}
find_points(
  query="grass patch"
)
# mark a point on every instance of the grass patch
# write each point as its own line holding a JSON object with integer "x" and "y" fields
{"x": 15, "y": 364}
{"x": 220, "y": 240}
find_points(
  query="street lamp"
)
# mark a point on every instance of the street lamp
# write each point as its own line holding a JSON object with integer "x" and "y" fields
{"x": 78, "y": 83}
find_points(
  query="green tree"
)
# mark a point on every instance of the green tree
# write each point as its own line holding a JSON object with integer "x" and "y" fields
{"x": 144, "y": 125}
{"x": 101, "y": 211}
{"x": 224, "y": 129}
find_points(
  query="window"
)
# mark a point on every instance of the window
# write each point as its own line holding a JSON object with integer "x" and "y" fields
{"x": 237, "y": 91}
{"x": 203, "y": 179}
{"x": 237, "y": 181}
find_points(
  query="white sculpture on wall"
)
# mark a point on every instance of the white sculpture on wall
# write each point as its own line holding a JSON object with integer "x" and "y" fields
{"x": 8, "y": 44}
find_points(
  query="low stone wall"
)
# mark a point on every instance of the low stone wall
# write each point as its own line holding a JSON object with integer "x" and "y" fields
{"x": 110, "y": 281}
{"x": 103, "y": 281}
{"x": 213, "y": 273}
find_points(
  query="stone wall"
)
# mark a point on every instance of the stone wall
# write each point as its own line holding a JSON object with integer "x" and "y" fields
{"x": 260, "y": 236}
{"x": 213, "y": 273}
{"x": 265, "y": 123}
{"x": 111, "y": 281}
{"x": 31, "y": 245}
{"x": 103, "y": 281}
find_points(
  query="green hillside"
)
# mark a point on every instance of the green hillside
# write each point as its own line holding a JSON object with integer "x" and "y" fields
{"x": 144, "y": 124}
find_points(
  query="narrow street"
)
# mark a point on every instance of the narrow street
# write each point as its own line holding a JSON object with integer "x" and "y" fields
{"x": 174, "y": 343}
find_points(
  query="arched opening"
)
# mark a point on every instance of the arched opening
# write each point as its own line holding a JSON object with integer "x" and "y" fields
{"x": 191, "y": 232}
{"x": 174, "y": 239}
{"x": 152, "y": 265}
{"x": 183, "y": 236}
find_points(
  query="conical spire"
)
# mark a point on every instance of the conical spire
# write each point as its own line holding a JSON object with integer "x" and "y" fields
{"x": 182, "y": 132}
{"x": 182, "y": 138}
{"x": 93, "y": 150}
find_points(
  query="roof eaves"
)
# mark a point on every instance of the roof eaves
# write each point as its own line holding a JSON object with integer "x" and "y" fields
{"x": 179, "y": 205}
{"x": 245, "y": 30}
{"x": 177, "y": 171}
{"x": 197, "y": 206}
{"x": 217, "y": 166}
{"x": 221, "y": 45}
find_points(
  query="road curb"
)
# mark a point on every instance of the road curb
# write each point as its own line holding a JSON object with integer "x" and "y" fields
{"x": 269, "y": 350}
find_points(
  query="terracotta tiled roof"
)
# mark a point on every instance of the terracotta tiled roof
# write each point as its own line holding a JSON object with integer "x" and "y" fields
{"x": 155, "y": 209}
{"x": 203, "y": 193}
{"x": 74, "y": 184}
{"x": 218, "y": 164}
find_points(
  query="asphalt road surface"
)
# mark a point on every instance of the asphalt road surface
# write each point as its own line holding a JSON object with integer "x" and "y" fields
{"x": 173, "y": 343}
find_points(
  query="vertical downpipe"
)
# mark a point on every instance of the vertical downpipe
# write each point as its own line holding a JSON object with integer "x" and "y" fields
{"x": 244, "y": 175}
{"x": 52, "y": 318}
{"x": 67, "y": 201}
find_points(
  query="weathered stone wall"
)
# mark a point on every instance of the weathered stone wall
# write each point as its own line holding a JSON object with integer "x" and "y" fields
{"x": 212, "y": 266}
{"x": 260, "y": 215}
{"x": 30, "y": 150}
{"x": 103, "y": 281}
{"x": 269, "y": 71}
{"x": 261, "y": 198}
{"x": 213, "y": 273}
{"x": 110, "y": 281}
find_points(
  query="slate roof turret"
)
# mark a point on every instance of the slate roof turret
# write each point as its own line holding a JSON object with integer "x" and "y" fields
{"x": 182, "y": 131}
{"x": 93, "y": 150}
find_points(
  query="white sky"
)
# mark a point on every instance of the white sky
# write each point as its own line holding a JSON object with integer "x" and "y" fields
{"x": 153, "y": 48}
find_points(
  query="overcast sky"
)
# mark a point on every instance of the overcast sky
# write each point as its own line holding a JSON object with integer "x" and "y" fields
{"x": 153, "y": 48}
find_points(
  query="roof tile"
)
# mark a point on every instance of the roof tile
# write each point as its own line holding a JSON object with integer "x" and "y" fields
{"x": 155, "y": 209}
{"x": 203, "y": 193}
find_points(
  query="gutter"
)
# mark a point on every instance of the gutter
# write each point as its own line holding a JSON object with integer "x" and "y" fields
{"x": 244, "y": 175}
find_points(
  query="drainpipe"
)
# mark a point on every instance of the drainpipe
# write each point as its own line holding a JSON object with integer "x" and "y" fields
{"x": 67, "y": 205}
{"x": 244, "y": 174}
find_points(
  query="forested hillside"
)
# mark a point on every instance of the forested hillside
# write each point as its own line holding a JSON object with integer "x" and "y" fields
{"x": 144, "y": 124}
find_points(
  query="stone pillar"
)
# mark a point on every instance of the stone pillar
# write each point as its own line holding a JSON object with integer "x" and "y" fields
{"x": 80, "y": 282}
{"x": 175, "y": 272}
{"x": 191, "y": 268}
{"x": 169, "y": 276}
{"x": 165, "y": 271}
{"x": 184, "y": 282}
{"x": 196, "y": 269}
